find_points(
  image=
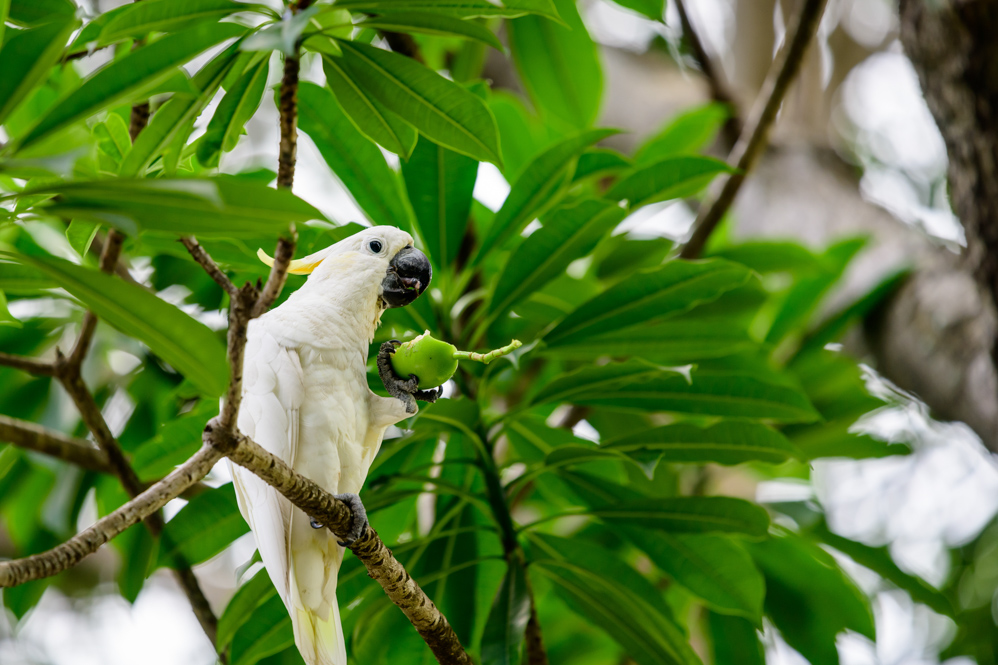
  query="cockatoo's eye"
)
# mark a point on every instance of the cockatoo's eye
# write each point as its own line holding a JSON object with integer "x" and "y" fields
{"x": 375, "y": 246}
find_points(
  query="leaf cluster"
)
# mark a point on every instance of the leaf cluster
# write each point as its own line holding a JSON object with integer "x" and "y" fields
{"x": 498, "y": 498}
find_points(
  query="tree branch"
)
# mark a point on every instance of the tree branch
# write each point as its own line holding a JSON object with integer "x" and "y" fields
{"x": 30, "y": 365}
{"x": 754, "y": 137}
{"x": 289, "y": 122}
{"x": 57, "y": 559}
{"x": 300, "y": 491}
{"x": 28, "y": 435}
{"x": 428, "y": 621}
{"x": 205, "y": 261}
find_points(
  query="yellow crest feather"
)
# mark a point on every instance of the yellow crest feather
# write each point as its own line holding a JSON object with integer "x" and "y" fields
{"x": 296, "y": 267}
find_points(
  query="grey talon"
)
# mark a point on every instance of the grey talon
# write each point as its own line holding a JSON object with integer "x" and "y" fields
{"x": 359, "y": 524}
{"x": 313, "y": 523}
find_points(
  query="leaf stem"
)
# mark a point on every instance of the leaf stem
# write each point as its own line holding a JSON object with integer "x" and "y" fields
{"x": 491, "y": 355}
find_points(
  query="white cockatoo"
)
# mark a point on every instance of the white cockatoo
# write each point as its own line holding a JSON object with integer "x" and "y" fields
{"x": 306, "y": 400}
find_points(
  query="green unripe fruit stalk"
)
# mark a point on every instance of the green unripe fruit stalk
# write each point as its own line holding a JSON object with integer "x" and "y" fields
{"x": 434, "y": 361}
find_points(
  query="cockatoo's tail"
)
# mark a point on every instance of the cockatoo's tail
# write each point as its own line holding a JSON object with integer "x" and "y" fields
{"x": 434, "y": 361}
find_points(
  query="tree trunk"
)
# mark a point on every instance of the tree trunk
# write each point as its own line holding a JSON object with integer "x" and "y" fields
{"x": 953, "y": 48}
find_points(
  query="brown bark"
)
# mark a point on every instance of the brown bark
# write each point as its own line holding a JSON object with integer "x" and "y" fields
{"x": 35, "y": 437}
{"x": 953, "y": 48}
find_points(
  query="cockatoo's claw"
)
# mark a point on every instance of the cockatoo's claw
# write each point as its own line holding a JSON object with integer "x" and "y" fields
{"x": 359, "y": 517}
{"x": 314, "y": 524}
{"x": 431, "y": 395}
{"x": 402, "y": 389}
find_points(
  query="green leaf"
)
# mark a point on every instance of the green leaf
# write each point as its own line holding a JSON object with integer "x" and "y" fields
{"x": 22, "y": 280}
{"x": 281, "y": 35}
{"x": 878, "y": 559}
{"x": 251, "y": 595}
{"x": 368, "y": 114}
{"x": 507, "y": 622}
{"x": 809, "y": 598}
{"x": 686, "y": 339}
{"x": 805, "y": 295}
{"x": 137, "y": 547}
{"x": 441, "y": 110}
{"x": 188, "y": 345}
{"x": 558, "y": 65}
{"x": 536, "y": 189}
{"x": 702, "y": 514}
{"x": 728, "y": 442}
{"x": 670, "y": 178}
{"x": 6, "y": 318}
{"x": 142, "y": 68}
{"x": 432, "y": 24}
{"x": 140, "y": 19}
{"x": 4, "y": 13}
{"x": 653, "y": 9}
{"x": 177, "y": 440}
{"x": 734, "y": 641}
{"x": 81, "y": 234}
{"x": 233, "y": 112}
{"x": 836, "y": 325}
{"x": 26, "y": 59}
{"x": 267, "y": 632}
{"x": 599, "y": 162}
{"x": 354, "y": 159}
{"x": 669, "y": 289}
{"x": 768, "y": 257}
{"x": 568, "y": 234}
{"x": 460, "y": 8}
{"x": 31, "y": 12}
{"x": 223, "y": 205}
{"x": 723, "y": 443}
{"x": 440, "y": 184}
{"x": 113, "y": 138}
{"x": 834, "y": 439}
{"x": 636, "y": 386}
{"x": 713, "y": 567}
{"x": 204, "y": 527}
{"x": 646, "y": 634}
{"x": 688, "y": 133}
{"x": 620, "y": 255}
{"x": 169, "y": 123}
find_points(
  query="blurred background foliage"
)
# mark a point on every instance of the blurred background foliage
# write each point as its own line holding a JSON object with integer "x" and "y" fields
{"x": 643, "y": 465}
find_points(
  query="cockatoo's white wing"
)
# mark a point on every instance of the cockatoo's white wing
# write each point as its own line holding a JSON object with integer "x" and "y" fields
{"x": 273, "y": 392}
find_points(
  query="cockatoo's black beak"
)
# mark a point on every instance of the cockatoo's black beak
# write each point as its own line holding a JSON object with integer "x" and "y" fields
{"x": 408, "y": 275}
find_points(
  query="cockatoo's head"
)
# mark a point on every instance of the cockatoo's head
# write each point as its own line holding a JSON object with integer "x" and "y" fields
{"x": 381, "y": 257}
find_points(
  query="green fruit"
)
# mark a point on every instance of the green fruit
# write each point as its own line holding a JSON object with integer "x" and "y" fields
{"x": 432, "y": 360}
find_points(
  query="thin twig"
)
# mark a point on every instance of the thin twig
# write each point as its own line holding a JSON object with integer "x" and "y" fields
{"x": 29, "y": 365}
{"x": 240, "y": 309}
{"x": 754, "y": 137}
{"x": 71, "y": 552}
{"x": 31, "y": 436}
{"x": 92, "y": 417}
{"x": 108, "y": 260}
{"x": 205, "y": 261}
{"x": 719, "y": 91}
{"x": 535, "y": 651}
{"x": 278, "y": 273}
{"x": 289, "y": 123}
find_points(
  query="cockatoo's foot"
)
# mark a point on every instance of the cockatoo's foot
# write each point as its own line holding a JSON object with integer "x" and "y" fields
{"x": 359, "y": 524}
{"x": 403, "y": 389}
{"x": 431, "y": 395}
